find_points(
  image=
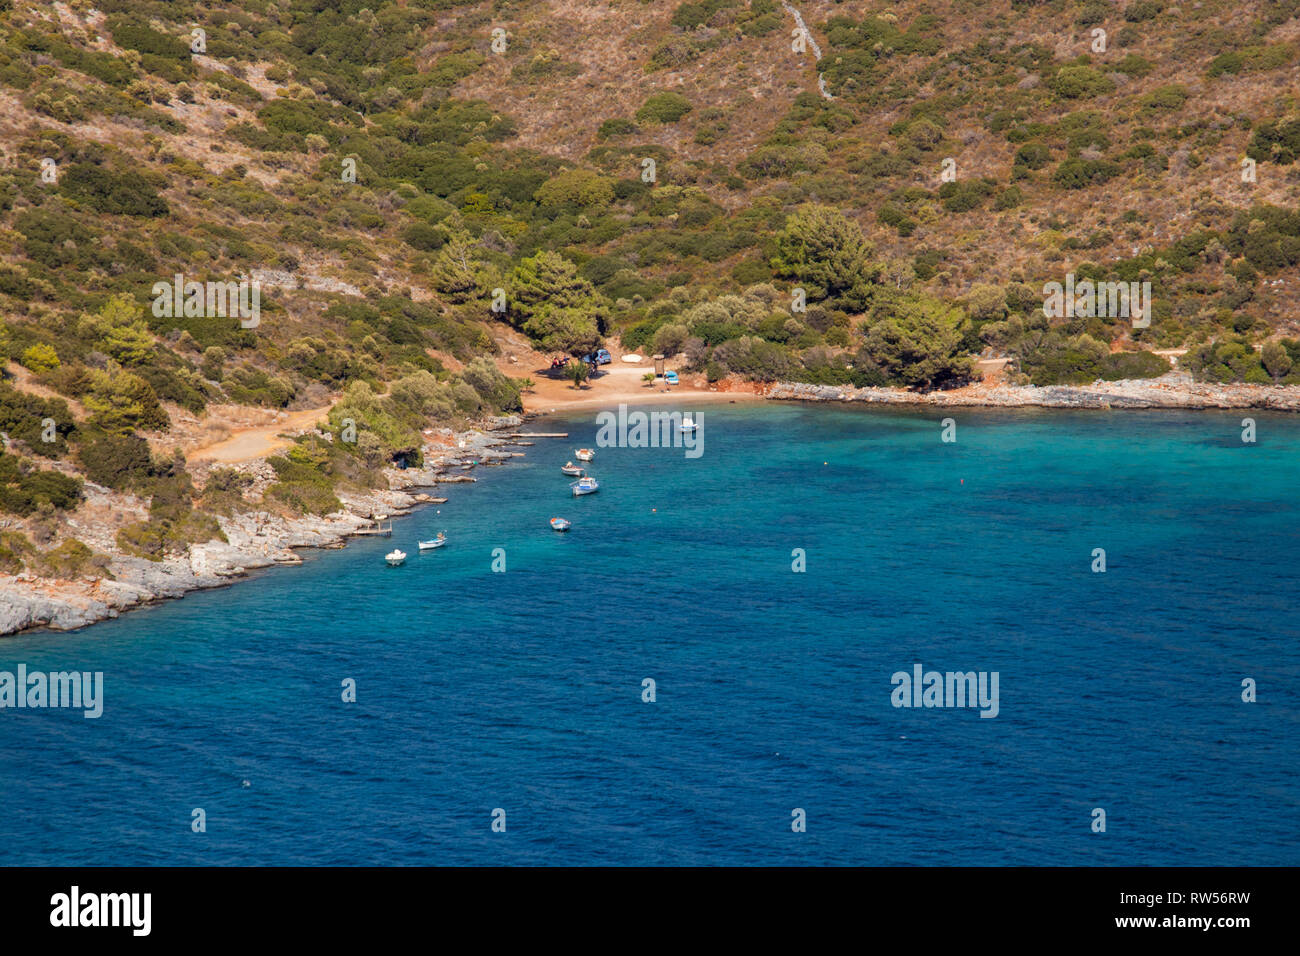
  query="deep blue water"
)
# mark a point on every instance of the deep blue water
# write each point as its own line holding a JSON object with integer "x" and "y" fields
{"x": 522, "y": 690}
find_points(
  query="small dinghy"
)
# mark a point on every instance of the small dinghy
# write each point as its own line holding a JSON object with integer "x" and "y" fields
{"x": 585, "y": 486}
{"x": 395, "y": 557}
{"x": 572, "y": 470}
{"x": 437, "y": 542}
{"x": 585, "y": 454}
{"x": 560, "y": 524}
{"x": 688, "y": 424}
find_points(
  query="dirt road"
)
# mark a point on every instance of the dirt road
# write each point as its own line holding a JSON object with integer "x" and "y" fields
{"x": 259, "y": 441}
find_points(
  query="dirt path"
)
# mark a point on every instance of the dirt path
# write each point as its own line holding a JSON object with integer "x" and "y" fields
{"x": 25, "y": 381}
{"x": 258, "y": 441}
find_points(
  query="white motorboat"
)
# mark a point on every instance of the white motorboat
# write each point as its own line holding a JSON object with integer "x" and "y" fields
{"x": 437, "y": 542}
{"x": 395, "y": 557}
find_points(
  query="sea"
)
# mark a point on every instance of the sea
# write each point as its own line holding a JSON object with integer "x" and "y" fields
{"x": 714, "y": 666}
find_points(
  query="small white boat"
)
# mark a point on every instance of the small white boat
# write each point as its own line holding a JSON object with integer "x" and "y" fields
{"x": 395, "y": 557}
{"x": 560, "y": 524}
{"x": 688, "y": 424}
{"x": 584, "y": 454}
{"x": 572, "y": 470}
{"x": 437, "y": 542}
{"x": 585, "y": 485}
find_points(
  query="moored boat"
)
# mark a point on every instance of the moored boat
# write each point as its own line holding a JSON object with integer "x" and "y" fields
{"x": 572, "y": 470}
{"x": 585, "y": 454}
{"x": 560, "y": 524}
{"x": 395, "y": 557}
{"x": 437, "y": 542}
{"x": 688, "y": 424}
{"x": 585, "y": 485}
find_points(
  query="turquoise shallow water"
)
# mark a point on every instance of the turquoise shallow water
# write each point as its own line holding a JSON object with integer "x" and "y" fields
{"x": 522, "y": 690}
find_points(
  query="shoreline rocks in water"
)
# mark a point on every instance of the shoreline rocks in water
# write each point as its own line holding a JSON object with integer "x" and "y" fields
{"x": 255, "y": 539}
{"x": 1169, "y": 391}
{"x": 258, "y": 539}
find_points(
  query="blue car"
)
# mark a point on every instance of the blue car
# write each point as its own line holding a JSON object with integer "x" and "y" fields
{"x": 599, "y": 357}
{"x": 670, "y": 377}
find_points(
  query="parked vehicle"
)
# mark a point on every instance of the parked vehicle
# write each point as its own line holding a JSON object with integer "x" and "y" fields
{"x": 670, "y": 377}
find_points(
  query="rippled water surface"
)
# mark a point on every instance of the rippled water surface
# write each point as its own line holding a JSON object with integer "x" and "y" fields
{"x": 522, "y": 690}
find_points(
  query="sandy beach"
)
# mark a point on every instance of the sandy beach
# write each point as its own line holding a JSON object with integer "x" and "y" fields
{"x": 620, "y": 383}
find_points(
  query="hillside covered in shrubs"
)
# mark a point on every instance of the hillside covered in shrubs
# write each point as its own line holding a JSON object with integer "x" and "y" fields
{"x": 413, "y": 184}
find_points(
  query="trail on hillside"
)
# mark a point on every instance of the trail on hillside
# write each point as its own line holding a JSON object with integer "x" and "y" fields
{"x": 25, "y": 381}
{"x": 245, "y": 444}
{"x": 817, "y": 50}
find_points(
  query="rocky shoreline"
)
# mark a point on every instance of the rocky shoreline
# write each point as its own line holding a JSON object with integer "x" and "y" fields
{"x": 1175, "y": 390}
{"x": 256, "y": 539}
{"x": 260, "y": 539}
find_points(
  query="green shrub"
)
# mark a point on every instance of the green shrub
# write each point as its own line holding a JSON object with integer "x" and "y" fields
{"x": 688, "y": 16}
{"x": 1077, "y": 82}
{"x": 25, "y": 488}
{"x": 1277, "y": 142}
{"x": 69, "y": 559}
{"x": 24, "y": 417}
{"x": 1141, "y": 10}
{"x": 615, "y": 127}
{"x": 1124, "y": 365}
{"x": 40, "y": 357}
{"x": 125, "y": 194}
{"x": 1033, "y": 155}
{"x": 663, "y": 108}
{"x": 1009, "y": 198}
{"x": 755, "y": 359}
{"x": 1134, "y": 65}
{"x": 1169, "y": 97}
{"x": 918, "y": 342}
{"x": 120, "y": 462}
{"x": 1232, "y": 359}
{"x": 1077, "y": 173}
{"x": 964, "y": 195}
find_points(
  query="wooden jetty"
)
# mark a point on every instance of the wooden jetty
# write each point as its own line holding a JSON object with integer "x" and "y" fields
{"x": 378, "y": 529}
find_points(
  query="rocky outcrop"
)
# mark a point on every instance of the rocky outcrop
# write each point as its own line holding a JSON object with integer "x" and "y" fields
{"x": 22, "y": 608}
{"x": 1170, "y": 391}
{"x": 254, "y": 539}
